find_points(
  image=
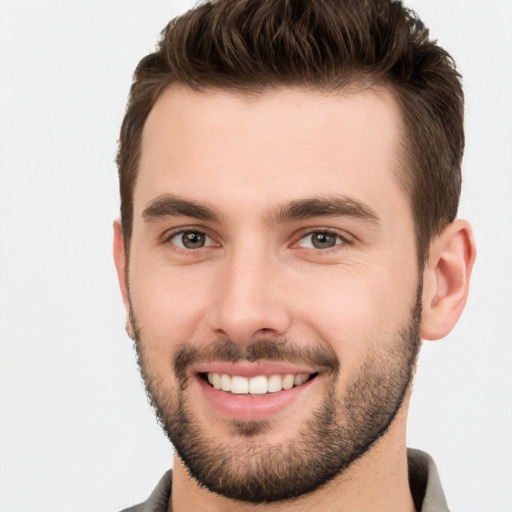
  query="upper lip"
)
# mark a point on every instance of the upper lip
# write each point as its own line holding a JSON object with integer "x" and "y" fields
{"x": 248, "y": 369}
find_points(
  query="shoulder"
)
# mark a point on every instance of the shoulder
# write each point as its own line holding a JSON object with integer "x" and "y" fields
{"x": 158, "y": 501}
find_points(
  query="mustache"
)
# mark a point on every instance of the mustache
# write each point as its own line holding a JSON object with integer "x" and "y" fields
{"x": 279, "y": 350}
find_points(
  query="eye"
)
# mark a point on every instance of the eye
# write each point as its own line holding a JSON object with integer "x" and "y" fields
{"x": 320, "y": 240}
{"x": 191, "y": 240}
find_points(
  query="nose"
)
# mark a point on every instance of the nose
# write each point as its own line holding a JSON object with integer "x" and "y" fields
{"x": 250, "y": 301}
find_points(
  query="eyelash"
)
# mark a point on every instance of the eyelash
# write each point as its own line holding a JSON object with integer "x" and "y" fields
{"x": 340, "y": 239}
{"x": 169, "y": 237}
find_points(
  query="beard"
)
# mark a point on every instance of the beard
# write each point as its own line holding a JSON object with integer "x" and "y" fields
{"x": 246, "y": 465}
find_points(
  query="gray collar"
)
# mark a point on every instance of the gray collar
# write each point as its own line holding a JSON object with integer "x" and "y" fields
{"x": 424, "y": 482}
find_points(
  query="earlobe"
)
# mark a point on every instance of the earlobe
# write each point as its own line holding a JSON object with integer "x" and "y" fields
{"x": 120, "y": 262}
{"x": 446, "y": 279}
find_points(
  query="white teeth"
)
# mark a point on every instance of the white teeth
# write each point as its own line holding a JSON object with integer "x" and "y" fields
{"x": 288, "y": 381}
{"x": 239, "y": 385}
{"x": 301, "y": 378}
{"x": 274, "y": 384}
{"x": 225, "y": 382}
{"x": 259, "y": 385}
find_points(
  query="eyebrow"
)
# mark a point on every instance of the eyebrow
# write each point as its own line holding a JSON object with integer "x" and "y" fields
{"x": 168, "y": 205}
{"x": 326, "y": 206}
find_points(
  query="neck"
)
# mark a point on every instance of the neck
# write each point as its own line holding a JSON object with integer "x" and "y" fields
{"x": 378, "y": 480}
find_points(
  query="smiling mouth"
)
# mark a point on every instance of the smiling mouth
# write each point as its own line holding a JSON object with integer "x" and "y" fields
{"x": 258, "y": 385}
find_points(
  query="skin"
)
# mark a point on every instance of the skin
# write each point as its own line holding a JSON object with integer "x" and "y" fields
{"x": 259, "y": 277}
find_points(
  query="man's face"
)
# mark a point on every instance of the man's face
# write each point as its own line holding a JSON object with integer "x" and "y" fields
{"x": 273, "y": 254}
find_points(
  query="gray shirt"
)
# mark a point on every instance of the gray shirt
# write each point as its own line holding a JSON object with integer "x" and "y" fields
{"x": 424, "y": 482}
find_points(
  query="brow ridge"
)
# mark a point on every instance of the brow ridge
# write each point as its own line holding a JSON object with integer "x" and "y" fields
{"x": 326, "y": 206}
{"x": 168, "y": 205}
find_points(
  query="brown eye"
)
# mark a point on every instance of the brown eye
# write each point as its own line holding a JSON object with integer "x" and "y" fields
{"x": 320, "y": 240}
{"x": 191, "y": 240}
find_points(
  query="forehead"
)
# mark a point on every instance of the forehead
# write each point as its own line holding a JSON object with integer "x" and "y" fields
{"x": 218, "y": 147}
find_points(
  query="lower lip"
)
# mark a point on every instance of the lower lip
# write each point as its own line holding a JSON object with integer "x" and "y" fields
{"x": 251, "y": 407}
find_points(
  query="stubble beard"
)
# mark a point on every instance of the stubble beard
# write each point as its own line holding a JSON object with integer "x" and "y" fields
{"x": 247, "y": 466}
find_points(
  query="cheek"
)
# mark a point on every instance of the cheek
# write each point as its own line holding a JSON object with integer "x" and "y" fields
{"x": 357, "y": 313}
{"x": 168, "y": 305}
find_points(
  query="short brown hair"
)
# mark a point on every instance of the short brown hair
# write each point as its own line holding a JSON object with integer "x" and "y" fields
{"x": 251, "y": 46}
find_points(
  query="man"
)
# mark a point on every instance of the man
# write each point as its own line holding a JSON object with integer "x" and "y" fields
{"x": 290, "y": 175}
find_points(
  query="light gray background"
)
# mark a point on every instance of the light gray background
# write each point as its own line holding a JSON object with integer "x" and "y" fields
{"x": 76, "y": 431}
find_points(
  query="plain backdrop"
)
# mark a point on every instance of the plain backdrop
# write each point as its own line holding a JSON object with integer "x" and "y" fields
{"x": 76, "y": 431}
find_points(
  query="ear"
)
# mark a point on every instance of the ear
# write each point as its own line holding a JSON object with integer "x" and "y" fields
{"x": 122, "y": 272}
{"x": 446, "y": 279}
{"x": 121, "y": 263}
